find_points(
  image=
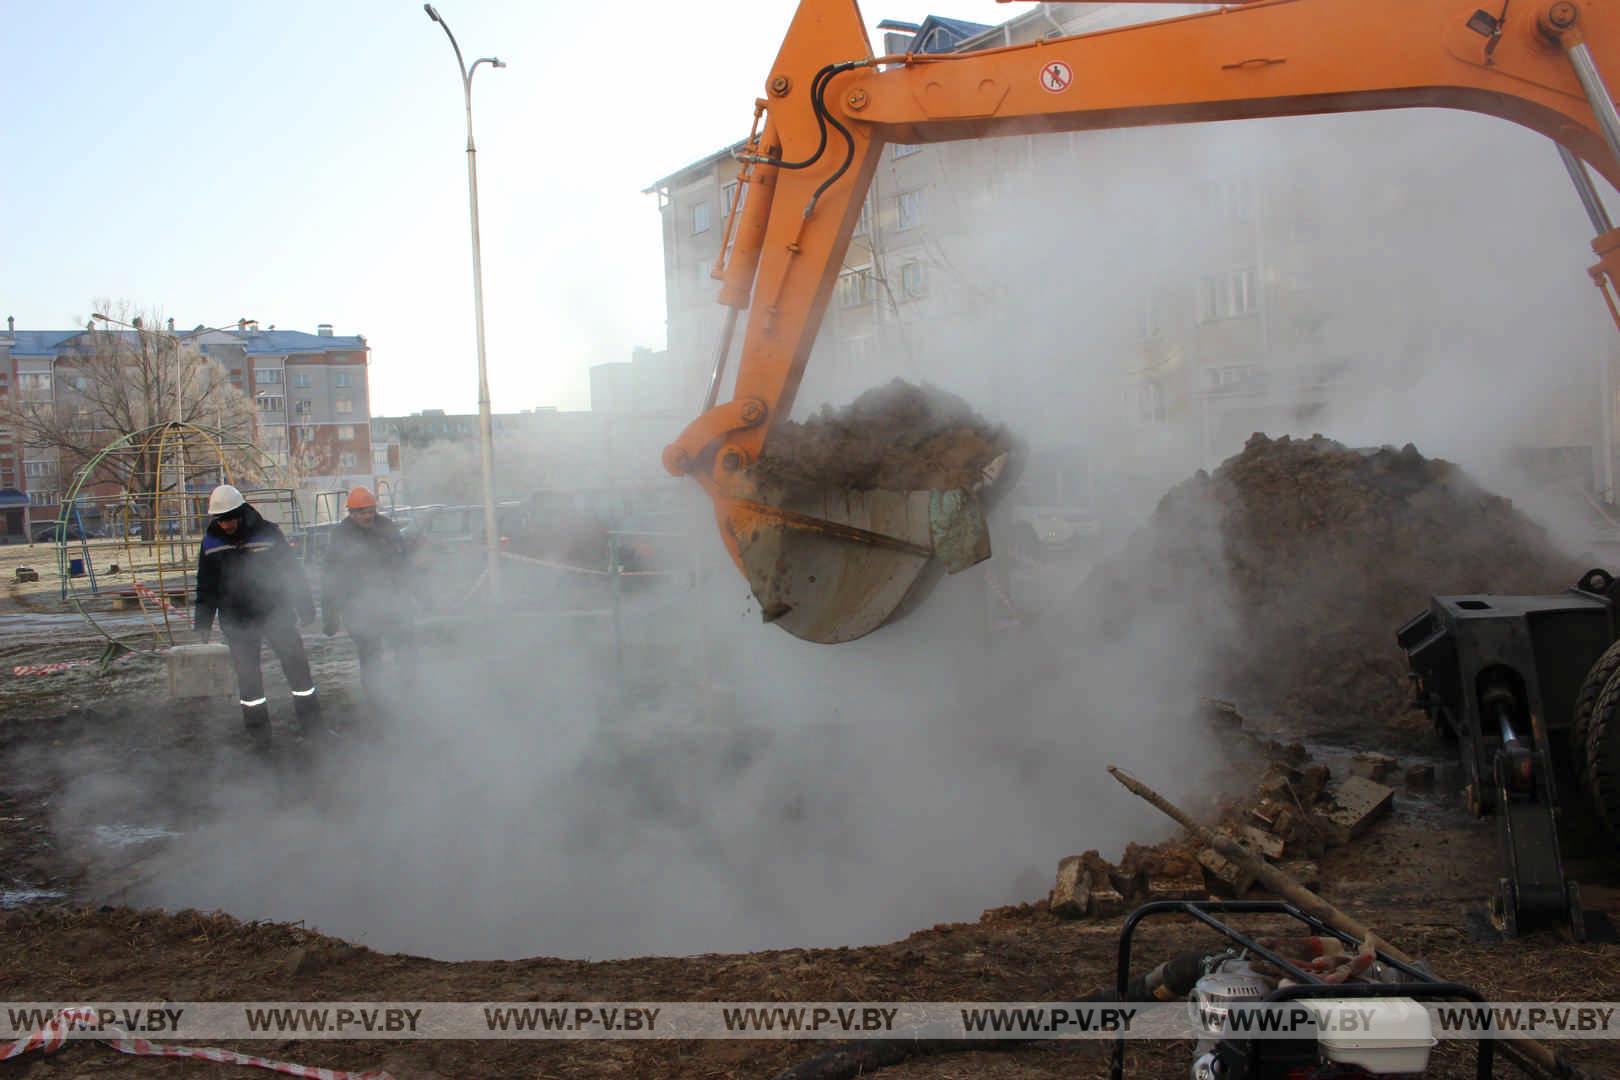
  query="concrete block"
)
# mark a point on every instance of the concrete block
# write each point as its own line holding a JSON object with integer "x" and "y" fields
{"x": 1313, "y": 780}
{"x": 200, "y": 671}
{"x": 1106, "y": 902}
{"x": 1262, "y": 843}
{"x": 1222, "y": 714}
{"x": 1224, "y": 875}
{"x": 27, "y": 573}
{"x": 1358, "y": 802}
{"x": 1071, "y": 895}
{"x": 1371, "y": 766}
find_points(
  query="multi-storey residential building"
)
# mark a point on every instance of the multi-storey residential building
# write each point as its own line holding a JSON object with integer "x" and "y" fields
{"x": 311, "y": 393}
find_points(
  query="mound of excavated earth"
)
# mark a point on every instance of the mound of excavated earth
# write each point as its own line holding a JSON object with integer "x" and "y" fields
{"x": 899, "y": 437}
{"x": 1296, "y": 561}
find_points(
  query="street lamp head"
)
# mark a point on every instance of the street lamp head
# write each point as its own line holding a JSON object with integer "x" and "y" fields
{"x": 434, "y": 15}
{"x": 497, "y": 62}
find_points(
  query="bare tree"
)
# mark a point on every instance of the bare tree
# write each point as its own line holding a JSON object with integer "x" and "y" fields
{"x": 108, "y": 383}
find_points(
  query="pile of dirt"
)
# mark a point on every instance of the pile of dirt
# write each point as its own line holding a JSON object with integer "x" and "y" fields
{"x": 1297, "y": 560}
{"x": 897, "y": 437}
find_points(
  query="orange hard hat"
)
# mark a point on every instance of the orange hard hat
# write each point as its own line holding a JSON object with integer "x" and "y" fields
{"x": 361, "y": 498}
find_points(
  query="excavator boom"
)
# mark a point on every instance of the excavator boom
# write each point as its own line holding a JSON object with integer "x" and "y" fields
{"x": 838, "y": 566}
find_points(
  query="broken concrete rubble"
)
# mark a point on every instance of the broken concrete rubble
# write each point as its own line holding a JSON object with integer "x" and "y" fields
{"x": 1372, "y": 766}
{"x": 1294, "y": 811}
{"x": 1358, "y": 802}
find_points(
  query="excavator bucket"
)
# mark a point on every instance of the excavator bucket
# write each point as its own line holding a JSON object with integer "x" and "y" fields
{"x": 835, "y": 566}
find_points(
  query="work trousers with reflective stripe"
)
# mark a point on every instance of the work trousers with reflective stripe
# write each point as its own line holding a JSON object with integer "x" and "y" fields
{"x": 281, "y": 633}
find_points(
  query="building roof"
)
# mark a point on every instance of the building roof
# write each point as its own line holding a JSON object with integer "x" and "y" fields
{"x": 282, "y": 342}
{"x": 941, "y": 35}
{"x": 39, "y": 342}
{"x": 255, "y": 342}
{"x": 936, "y": 34}
{"x": 722, "y": 154}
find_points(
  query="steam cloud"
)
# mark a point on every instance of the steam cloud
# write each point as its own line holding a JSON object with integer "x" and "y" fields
{"x": 513, "y": 804}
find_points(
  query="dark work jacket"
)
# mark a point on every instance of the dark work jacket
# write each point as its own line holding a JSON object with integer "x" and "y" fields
{"x": 366, "y": 583}
{"x": 249, "y": 578}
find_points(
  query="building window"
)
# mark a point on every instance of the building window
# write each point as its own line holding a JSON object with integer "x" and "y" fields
{"x": 266, "y": 376}
{"x": 34, "y": 469}
{"x": 345, "y": 433}
{"x": 910, "y": 210}
{"x": 1150, "y": 401}
{"x": 905, "y": 149}
{"x": 1228, "y": 295}
{"x": 728, "y": 192}
{"x": 700, "y": 217}
{"x": 855, "y": 287}
{"x": 379, "y": 458}
{"x": 863, "y": 224}
{"x": 343, "y": 406}
{"x": 912, "y": 279}
{"x": 42, "y": 498}
{"x": 306, "y": 433}
{"x": 301, "y": 380}
{"x": 34, "y": 384}
{"x": 271, "y": 403}
{"x": 343, "y": 380}
{"x": 345, "y": 461}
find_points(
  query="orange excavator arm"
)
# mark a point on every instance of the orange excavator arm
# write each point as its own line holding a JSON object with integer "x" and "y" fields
{"x": 830, "y": 107}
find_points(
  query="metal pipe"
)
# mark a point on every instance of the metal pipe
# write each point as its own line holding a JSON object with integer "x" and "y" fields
{"x": 1598, "y": 215}
{"x": 1596, "y": 212}
{"x": 721, "y": 354}
{"x": 1597, "y": 95}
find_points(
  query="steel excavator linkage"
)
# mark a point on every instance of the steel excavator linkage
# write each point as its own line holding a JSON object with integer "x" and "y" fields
{"x": 837, "y": 565}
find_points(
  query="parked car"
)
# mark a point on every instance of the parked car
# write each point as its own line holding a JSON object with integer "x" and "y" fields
{"x": 52, "y": 531}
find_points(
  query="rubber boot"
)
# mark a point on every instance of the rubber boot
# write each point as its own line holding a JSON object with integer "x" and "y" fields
{"x": 307, "y": 714}
{"x": 256, "y": 719}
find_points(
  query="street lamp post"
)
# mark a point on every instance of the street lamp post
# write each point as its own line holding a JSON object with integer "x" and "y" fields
{"x": 486, "y": 440}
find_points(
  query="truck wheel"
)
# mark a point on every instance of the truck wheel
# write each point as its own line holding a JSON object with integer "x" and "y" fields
{"x": 1602, "y": 757}
{"x": 1598, "y": 677}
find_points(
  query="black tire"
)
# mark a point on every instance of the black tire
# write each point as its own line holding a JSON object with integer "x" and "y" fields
{"x": 1602, "y": 757}
{"x": 1598, "y": 677}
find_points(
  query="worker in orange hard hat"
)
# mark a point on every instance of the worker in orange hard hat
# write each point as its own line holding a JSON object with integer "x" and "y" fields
{"x": 366, "y": 586}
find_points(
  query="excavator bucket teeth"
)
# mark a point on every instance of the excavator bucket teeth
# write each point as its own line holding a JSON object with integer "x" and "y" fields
{"x": 835, "y": 567}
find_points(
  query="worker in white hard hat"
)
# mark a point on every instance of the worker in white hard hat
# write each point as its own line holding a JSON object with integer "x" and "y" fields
{"x": 246, "y": 573}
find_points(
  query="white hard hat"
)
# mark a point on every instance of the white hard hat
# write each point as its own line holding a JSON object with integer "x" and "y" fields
{"x": 224, "y": 499}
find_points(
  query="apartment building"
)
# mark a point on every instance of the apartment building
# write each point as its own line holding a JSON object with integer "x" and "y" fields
{"x": 1155, "y": 295}
{"x": 310, "y": 392}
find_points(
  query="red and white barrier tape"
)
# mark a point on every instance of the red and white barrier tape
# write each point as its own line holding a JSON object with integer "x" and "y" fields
{"x": 145, "y": 592}
{"x": 53, "y": 1036}
{"x": 49, "y": 669}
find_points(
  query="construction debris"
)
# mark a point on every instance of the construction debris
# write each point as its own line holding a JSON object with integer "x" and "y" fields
{"x": 1256, "y": 556}
{"x": 26, "y": 573}
{"x": 1371, "y": 765}
{"x": 1293, "y": 812}
{"x": 1358, "y": 802}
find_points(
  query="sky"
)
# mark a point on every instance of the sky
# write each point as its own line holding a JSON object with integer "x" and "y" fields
{"x": 301, "y": 163}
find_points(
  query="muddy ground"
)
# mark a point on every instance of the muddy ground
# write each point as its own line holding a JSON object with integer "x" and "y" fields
{"x": 1419, "y": 877}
